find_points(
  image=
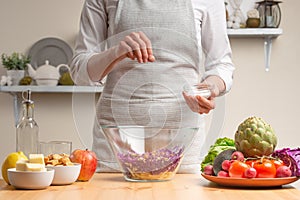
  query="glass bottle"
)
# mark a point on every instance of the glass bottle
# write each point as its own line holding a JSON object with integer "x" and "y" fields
{"x": 27, "y": 128}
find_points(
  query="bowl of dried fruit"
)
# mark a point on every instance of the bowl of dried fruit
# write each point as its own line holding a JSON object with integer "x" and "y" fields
{"x": 149, "y": 153}
{"x": 65, "y": 172}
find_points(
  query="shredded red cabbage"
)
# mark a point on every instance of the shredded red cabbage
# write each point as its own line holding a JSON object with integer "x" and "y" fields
{"x": 154, "y": 163}
{"x": 290, "y": 157}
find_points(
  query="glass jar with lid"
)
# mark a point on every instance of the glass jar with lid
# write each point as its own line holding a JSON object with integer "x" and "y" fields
{"x": 270, "y": 13}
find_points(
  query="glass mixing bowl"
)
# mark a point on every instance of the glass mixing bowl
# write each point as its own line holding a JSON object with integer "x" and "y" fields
{"x": 149, "y": 153}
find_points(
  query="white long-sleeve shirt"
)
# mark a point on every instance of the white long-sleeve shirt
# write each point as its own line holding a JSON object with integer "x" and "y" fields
{"x": 210, "y": 27}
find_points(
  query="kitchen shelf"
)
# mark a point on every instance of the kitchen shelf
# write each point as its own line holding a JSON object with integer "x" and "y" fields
{"x": 16, "y": 92}
{"x": 53, "y": 89}
{"x": 254, "y": 32}
{"x": 267, "y": 33}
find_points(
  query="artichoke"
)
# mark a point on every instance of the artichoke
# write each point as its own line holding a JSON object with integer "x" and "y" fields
{"x": 255, "y": 138}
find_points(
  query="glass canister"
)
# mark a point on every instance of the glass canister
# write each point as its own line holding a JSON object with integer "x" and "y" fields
{"x": 270, "y": 13}
{"x": 27, "y": 129}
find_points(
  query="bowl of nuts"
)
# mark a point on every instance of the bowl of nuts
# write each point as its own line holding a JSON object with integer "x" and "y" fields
{"x": 147, "y": 154}
{"x": 65, "y": 172}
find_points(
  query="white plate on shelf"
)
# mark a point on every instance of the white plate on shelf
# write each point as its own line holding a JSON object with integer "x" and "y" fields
{"x": 55, "y": 50}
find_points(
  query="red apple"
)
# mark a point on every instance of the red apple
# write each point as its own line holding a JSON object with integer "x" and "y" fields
{"x": 88, "y": 161}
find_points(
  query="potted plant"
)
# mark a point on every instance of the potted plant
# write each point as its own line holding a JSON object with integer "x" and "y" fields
{"x": 16, "y": 63}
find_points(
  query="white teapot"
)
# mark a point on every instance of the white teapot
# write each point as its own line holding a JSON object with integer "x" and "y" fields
{"x": 46, "y": 74}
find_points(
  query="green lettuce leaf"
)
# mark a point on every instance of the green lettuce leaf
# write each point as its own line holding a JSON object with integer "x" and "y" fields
{"x": 220, "y": 145}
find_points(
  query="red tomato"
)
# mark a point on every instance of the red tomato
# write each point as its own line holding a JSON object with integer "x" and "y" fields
{"x": 265, "y": 168}
{"x": 250, "y": 162}
{"x": 277, "y": 163}
{"x": 237, "y": 169}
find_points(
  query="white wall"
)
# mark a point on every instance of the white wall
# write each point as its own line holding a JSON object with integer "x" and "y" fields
{"x": 272, "y": 95}
{"x": 22, "y": 23}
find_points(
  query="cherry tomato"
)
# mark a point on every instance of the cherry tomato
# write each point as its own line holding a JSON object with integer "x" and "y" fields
{"x": 265, "y": 168}
{"x": 277, "y": 163}
{"x": 237, "y": 169}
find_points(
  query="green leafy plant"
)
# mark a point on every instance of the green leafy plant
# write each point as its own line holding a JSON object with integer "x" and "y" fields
{"x": 15, "y": 61}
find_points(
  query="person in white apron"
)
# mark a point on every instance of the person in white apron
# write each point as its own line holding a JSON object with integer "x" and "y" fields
{"x": 147, "y": 50}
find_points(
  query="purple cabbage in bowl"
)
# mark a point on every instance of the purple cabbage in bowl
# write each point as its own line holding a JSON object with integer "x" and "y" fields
{"x": 149, "y": 153}
{"x": 151, "y": 165}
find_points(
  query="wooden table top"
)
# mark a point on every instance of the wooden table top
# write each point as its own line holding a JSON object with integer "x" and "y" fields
{"x": 183, "y": 186}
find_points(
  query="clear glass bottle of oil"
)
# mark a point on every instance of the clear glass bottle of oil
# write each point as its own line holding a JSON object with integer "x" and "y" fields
{"x": 27, "y": 129}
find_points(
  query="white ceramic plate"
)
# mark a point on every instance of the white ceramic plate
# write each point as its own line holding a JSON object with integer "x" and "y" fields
{"x": 55, "y": 50}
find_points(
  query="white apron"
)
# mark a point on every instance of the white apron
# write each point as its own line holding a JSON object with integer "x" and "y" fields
{"x": 150, "y": 94}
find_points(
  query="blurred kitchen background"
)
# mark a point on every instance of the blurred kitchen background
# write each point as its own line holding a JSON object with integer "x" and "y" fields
{"x": 271, "y": 95}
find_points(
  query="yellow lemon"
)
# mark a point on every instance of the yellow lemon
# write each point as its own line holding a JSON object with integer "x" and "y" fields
{"x": 10, "y": 162}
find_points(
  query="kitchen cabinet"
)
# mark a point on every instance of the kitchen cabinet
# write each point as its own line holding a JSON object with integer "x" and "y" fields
{"x": 16, "y": 92}
{"x": 268, "y": 34}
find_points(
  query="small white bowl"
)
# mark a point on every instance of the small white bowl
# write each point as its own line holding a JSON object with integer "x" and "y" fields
{"x": 47, "y": 82}
{"x": 65, "y": 175}
{"x": 197, "y": 90}
{"x": 30, "y": 180}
